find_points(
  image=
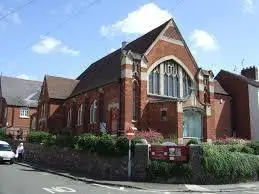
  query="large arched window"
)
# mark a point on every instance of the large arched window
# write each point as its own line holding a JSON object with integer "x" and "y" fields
{"x": 93, "y": 112}
{"x": 154, "y": 81}
{"x": 169, "y": 79}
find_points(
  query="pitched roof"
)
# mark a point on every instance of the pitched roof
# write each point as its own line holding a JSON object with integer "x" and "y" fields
{"x": 59, "y": 87}
{"x": 218, "y": 88}
{"x": 240, "y": 77}
{"x": 107, "y": 69}
{"x": 20, "y": 92}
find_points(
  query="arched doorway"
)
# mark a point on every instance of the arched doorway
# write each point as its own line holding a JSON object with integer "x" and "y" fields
{"x": 192, "y": 123}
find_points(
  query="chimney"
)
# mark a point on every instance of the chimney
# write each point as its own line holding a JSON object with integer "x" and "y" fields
{"x": 250, "y": 73}
{"x": 123, "y": 44}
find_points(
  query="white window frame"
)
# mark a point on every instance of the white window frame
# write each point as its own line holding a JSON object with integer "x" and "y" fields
{"x": 93, "y": 112}
{"x": 80, "y": 115}
{"x": 69, "y": 117}
{"x": 24, "y": 113}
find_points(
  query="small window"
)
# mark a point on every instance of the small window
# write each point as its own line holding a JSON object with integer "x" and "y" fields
{"x": 24, "y": 113}
{"x": 79, "y": 115}
{"x": 69, "y": 117}
{"x": 164, "y": 115}
{"x": 93, "y": 112}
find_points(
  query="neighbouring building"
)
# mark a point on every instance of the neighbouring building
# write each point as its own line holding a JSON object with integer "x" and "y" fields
{"x": 18, "y": 104}
{"x": 244, "y": 90}
{"x": 51, "y": 109}
{"x": 152, "y": 82}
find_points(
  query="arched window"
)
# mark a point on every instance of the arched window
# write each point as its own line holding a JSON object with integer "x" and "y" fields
{"x": 93, "y": 112}
{"x": 69, "y": 117}
{"x": 80, "y": 115}
{"x": 134, "y": 101}
{"x": 173, "y": 75}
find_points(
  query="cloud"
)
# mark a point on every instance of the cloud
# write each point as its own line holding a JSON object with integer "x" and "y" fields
{"x": 12, "y": 18}
{"x": 49, "y": 45}
{"x": 140, "y": 21}
{"x": 249, "y": 6}
{"x": 23, "y": 76}
{"x": 203, "y": 40}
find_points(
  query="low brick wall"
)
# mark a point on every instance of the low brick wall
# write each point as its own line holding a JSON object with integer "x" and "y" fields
{"x": 84, "y": 163}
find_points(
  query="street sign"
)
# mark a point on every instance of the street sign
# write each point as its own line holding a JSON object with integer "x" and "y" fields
{"x": 169, "y": 153}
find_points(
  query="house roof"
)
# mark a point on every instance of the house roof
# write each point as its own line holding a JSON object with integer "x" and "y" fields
{"x": 218, "y": 88}
{"x": 240, "y": 77}
{"x": 59, "y": 87}
{"x": 20, "y": 92}
{"x": 107, "y": 69}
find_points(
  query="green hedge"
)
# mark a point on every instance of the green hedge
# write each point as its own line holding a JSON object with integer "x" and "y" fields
{"x": 165, "y": 170}
{"x": 255, "y": 146}
{"x": 3, "y": 136}
{"x": 38, "y": 136}
{"x": 103, "y": 144}
{"x": 222, "y": 166}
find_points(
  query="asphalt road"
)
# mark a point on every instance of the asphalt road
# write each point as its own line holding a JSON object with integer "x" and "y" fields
{"x": 16, "y": 179}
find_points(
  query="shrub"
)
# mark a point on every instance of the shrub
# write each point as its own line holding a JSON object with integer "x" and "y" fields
{"x": 38, "y": 136}
{"x": 64, "y": 141}
{"x": 151, "y": 135}
{"x": 86, "y": 142}
{"x": 49, "y": 141}
{"x": 165, "y": 170}
{"x": 122, "y": 146}
{"x": 105, "y": 145}
{"x": 222, "y": 166}
{"x": 4, "y": 136}
{"x": 255, "y": 146}
{"x": 248, "y": 150}
{"x": 192, "y": 141}
{"x": 230, "y": 140}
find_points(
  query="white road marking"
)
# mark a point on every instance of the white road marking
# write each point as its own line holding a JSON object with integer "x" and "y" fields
{"x": 59, "y": 190}
{"x": 196, "y": 188}
{"x": 114, "y": 188}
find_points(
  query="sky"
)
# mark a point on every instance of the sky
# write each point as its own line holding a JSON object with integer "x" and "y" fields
{"x": 63, "y": 37}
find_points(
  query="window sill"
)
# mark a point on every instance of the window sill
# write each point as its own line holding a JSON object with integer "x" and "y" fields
{"x": 22, "y": 117}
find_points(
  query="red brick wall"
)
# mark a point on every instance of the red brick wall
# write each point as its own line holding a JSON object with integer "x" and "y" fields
{"x": 14, "y": 120}
{"x": 223, "y": 119}
{"x": 167, "y": 128}
{"x": 109, "y": 94}
{"x": 163, "y": 48}
{"x": 240, "y": 104}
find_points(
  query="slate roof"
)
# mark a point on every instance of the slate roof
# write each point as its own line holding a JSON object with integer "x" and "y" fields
{"x": 218, "y": 88}
{"x": 240, "y": 77}
{"x": 20, "y": 92}
{"x": 59, "y": 87}
{"x": 107, "y": 69}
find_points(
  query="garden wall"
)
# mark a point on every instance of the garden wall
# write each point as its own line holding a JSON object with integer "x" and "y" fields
{"x": 88, "y": 164}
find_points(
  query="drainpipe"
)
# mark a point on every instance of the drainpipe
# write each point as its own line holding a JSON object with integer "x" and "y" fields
{"x": 120, "y": 106}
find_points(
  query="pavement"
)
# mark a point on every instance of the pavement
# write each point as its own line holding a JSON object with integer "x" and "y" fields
{"x": 27, "y": 179}
{"x": 157, "y": 186}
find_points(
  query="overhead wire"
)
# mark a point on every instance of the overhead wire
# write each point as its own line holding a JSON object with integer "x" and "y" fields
{"x": 57, "y": 26}
{"x": 16, "y": 10}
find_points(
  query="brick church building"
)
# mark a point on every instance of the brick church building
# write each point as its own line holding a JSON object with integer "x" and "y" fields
{"x": 152, "y": 82}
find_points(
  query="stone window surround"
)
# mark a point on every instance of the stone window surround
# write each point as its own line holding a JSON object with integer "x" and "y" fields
{"x": 24, "y": 113}
{"x": 181, "y": 64}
